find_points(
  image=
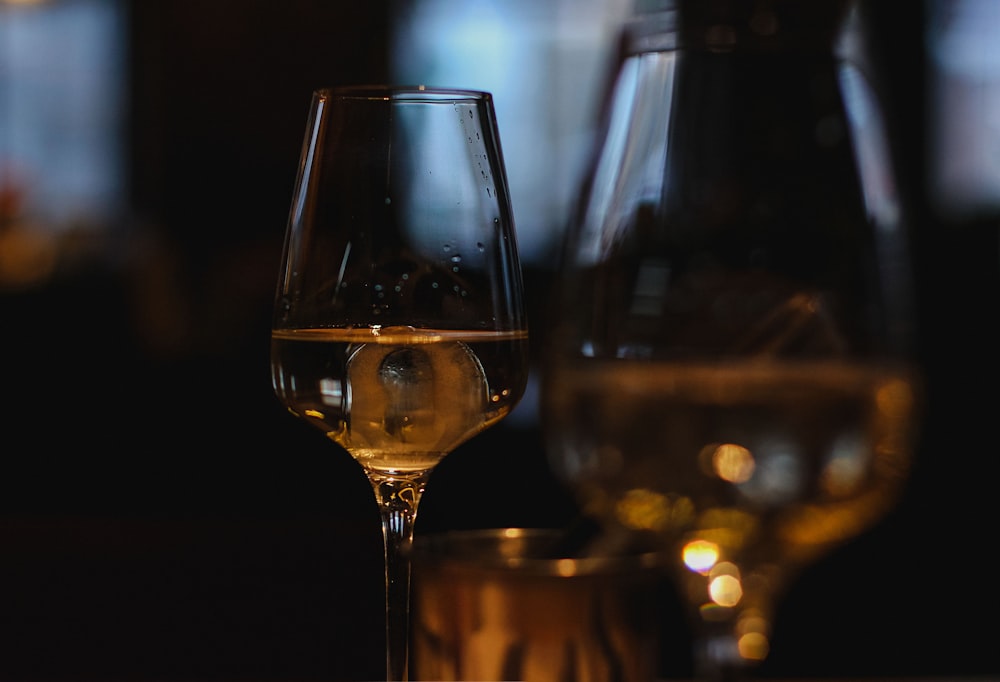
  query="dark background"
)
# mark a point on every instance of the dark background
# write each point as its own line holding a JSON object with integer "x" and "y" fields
{"x": 162, "y": 517}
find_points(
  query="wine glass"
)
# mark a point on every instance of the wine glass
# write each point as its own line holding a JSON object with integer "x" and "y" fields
{"x": 729, "y": 372}
{"x": 399, "y": 325}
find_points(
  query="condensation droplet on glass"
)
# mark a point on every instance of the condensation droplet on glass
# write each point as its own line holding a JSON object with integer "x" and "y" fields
{"x": 480, "y": 246}
{"x": 434, "y": 285}
{"x": 457, "y": 258}
{"x": 489, "y": 193}
{"x": 388, "y": 200}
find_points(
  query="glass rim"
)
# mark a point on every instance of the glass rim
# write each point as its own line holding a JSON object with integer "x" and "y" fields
{"x": 403, "y": 93}
{"x": 525, "y": 552}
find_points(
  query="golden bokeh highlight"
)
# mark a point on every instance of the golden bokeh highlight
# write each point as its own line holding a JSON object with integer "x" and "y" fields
{"x": 733, "y": 463}
{"x": 644, "y": 509}
{"x": 752, "y": 637}
{"x": 753, "y": 646}
{"x": 725, "y": 590}
{"x": 727, "y": 527}
{"x": 700, "y": 555}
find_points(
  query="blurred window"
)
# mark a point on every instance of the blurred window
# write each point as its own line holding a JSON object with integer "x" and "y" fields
{"x": 62, "y": 109}
{"x": 547, "y": 63}
{"x": 963, "y": 44}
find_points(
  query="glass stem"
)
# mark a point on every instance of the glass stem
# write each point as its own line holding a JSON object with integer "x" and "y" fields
{"x": 398, "y": 498}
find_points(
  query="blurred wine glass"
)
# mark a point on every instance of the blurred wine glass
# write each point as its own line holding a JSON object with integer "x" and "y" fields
{"x": 729, "y": 372}
{"x": 399, "y": 326}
